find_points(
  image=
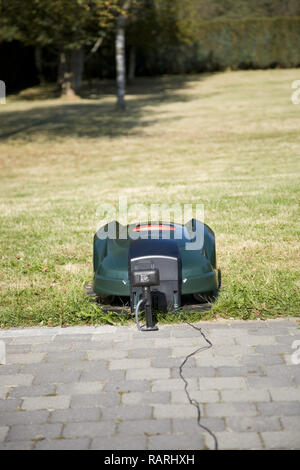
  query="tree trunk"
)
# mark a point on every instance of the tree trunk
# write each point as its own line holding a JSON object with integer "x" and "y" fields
{"x": 120, "y": 62}
{"x": 77, "y": 65}
{"x": 62, "y": 67}
{"x": 131, "y": 72}
{"x": 66, "y": 78}
{"x": 38, "y": 58}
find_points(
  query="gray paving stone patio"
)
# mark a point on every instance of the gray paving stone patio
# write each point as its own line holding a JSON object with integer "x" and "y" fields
{"x": 116, "y": 388}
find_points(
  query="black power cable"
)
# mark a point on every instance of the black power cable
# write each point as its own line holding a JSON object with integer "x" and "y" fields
{"x": 192, "y": 400}
{"x": 202, "y": 348}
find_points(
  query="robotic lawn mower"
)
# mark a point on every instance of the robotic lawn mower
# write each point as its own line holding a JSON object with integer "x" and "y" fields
{"x": 155, "y": 266}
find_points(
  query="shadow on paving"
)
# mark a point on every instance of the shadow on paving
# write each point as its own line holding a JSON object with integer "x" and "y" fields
{"x": 93, "y": 118}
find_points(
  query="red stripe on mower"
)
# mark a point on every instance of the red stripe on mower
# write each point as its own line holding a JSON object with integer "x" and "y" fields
{"x": 144, "y": 228}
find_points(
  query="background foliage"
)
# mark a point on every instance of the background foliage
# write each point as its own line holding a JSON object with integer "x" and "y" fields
{"x": 250, "y": 43}
{"x": 167, "y": 36}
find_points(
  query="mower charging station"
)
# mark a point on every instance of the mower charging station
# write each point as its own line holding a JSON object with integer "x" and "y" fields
{"x": 157, "y": 267}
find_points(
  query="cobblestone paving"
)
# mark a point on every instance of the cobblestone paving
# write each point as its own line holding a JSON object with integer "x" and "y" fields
{"x": 116, "y": 388}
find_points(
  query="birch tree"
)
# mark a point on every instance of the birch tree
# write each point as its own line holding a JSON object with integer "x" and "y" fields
{"x": 135, "y": 18}
{"x": 121, "y": 54}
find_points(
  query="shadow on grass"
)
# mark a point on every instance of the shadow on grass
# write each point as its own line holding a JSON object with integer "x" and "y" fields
{"x": 92, "y": 117}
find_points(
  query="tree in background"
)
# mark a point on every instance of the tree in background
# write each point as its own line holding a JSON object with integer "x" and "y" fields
{"x": 8, "y": 30}
{"x": 121, "y": 53}
{"x": 149, "y": 24}
{"x": 141, "y": 33}
{"x": 69, "y": 26}
{"x": 136, "y": 23}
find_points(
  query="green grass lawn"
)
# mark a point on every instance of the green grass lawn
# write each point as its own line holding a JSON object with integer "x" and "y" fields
{"x": 229, "y": 140}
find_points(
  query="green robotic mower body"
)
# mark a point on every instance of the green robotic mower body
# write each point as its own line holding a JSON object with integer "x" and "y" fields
{"x": 194, "y": 242}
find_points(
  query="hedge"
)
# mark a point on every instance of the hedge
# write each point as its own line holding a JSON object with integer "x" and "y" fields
{"x": 237, "y": 44}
